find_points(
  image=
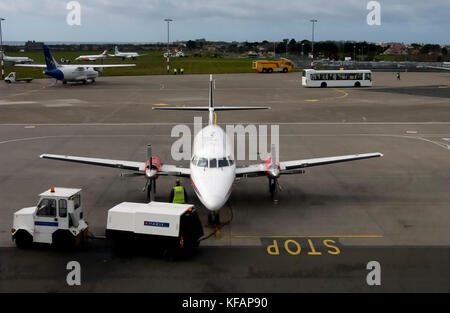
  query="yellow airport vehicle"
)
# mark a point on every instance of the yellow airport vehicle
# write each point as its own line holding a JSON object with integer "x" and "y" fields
{"x": 265, "y": 66}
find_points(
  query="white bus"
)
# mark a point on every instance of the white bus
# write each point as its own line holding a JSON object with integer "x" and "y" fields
{"x": 337, "y": 78}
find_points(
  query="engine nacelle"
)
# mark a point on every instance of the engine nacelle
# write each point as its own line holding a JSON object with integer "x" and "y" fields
{"x": 156, "y": 163}
{"x": 272, "y": 168}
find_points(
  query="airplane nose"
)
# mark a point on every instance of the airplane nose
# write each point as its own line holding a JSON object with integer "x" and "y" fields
{"x": 213, "y": 203}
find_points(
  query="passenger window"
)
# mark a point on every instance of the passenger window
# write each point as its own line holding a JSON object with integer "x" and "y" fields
{"x": 47, "y": 207}
{"x": 202, "y": 162}
{"x": 223, "y": 162}
{"x": 62, "y": 208}
{"x": 213, "y": 163}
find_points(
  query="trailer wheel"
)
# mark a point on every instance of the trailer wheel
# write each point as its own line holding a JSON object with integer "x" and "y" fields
{"x": 23, "y": 239}
{"x": 270, "y": 70}
{"x": 285, "y": 70}
{"x": 323, "y": 85}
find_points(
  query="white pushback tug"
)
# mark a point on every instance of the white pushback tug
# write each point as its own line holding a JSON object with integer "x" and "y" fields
{"x": 57, "y": 219}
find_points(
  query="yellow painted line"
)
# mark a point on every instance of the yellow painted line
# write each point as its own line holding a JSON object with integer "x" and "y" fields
{"x": 215, "y": 118}
{"x": 444, "y": 86}
{"x": 160, "y": 104}
{"x": 344, "y": 93}
{"x": 311, "y": 100}
{"x": 306, "y": 236}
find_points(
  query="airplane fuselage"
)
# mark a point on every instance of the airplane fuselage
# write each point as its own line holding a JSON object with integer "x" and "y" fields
{"x": 91, "y": 57}
{"x": 72, "y": 73}
{"x": 212, "y": 167}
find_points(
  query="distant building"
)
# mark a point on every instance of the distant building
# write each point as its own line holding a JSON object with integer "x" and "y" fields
{"x": 33, "y": 46}
{"x": 396, "y": 48}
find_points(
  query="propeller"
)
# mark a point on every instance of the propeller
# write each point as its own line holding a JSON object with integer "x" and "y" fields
{"x": 151, "y": 175}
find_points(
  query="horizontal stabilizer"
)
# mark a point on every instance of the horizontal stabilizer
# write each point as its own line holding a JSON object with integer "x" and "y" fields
{"x": 222, "y": 108}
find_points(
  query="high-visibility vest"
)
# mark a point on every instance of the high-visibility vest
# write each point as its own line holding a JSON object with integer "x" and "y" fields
{"x": 178, "y": 195}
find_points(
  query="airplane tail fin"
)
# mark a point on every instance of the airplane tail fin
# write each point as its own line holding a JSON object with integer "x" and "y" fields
{"x": 49, "y": 60}
{"x": 116, "y": 50}
{"x": 105, "y": 52}
{"x": 211, "y": 108}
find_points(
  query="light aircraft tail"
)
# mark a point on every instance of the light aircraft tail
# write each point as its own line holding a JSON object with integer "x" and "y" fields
{"x": 49, "y": 59}
{"x": 116, "y": 50}
{"x": 105, "y": 52}
{"x": 211, "y": 108}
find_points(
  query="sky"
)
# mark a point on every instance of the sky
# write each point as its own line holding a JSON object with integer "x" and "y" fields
{"x": 405, "y": 21}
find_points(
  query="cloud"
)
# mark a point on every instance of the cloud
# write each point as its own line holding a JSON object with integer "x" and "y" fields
{"x": 238, "y": 19}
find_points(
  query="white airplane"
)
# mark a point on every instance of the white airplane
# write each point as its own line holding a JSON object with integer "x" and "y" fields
{"x": 70, "y": 73}
{"x": 446, "y": 66}
{"x": 94, "y": 57}
{"x": 125, "y": 55}
{"x": 15, "y": 60}
{"x": 212, "y": 169}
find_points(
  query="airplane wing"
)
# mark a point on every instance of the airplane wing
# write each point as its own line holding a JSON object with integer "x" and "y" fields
{"x": 32, "y": 65}
{"x": 295, "y": 167}
{"x": 108, "y": 65}
{"x": 140, "y": 167}
{"x": 440, "y": 68}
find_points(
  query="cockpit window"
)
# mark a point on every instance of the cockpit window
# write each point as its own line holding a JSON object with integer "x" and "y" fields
{"x": 212, "y": 163}
{"x": 223, "y": 162}
{"x": 194, "y": 160}
{"x": 202, "y": 162}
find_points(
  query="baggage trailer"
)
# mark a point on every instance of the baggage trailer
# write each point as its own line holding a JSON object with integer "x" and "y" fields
{"x": 175, "y": 228}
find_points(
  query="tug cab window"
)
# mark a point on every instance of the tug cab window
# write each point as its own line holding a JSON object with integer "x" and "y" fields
{"x": 62, "y": 208}
{"x": 76, "y": 201}
{"x": 46, "y": 207}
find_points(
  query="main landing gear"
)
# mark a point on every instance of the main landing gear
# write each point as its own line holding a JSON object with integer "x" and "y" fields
{"x": 274, "y": 187}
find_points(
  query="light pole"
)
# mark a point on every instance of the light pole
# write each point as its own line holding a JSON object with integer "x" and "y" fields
{"x": 303, "y": 44}
{"x": 312, "y": 42}
{"x": 168, "y": 20}
{"x": 354, "y": 53}
{"x": 1, "y": 48}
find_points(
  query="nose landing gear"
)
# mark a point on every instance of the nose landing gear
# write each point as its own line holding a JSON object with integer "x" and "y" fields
{"x": 213, "y": 219}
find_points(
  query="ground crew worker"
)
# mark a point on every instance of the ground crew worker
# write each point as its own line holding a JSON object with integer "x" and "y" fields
{"x": 398, "y": 76}
{"x": 174, "y": 71}
{"x": 181, "y": 71}
{"x": 178, "y": 194}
